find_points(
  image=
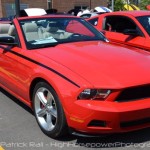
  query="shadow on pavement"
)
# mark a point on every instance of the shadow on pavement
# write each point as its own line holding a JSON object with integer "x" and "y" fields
{"x": 16, "y": 101}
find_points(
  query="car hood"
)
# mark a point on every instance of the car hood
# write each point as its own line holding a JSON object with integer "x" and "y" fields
{"x": 103, "y": 64}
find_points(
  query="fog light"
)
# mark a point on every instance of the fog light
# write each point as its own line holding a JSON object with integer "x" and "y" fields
{"x": 97, "y": 123}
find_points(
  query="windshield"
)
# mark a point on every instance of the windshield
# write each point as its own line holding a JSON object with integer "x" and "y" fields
{"x": 145, "y": 22}
{"x": 45, "y": 32}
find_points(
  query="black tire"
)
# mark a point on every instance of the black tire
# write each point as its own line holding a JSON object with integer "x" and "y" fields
{"x": 49, "y": 115}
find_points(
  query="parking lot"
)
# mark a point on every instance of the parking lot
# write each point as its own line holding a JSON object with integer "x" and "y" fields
{"x": 19, "y": 130}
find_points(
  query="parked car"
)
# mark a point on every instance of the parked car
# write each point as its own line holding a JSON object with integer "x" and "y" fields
{"x": 126, "y": 27}
{"x": 73, "y": 78}
{"x": 102, "y": 9}
{"x": 6, "y": 19}
{"x": 74, "y": 11}
{"x": 88, "y": 15}
{"x": 92, "y": 14}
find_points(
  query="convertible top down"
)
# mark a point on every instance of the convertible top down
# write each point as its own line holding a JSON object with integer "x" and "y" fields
{"x": 73, "y": 78}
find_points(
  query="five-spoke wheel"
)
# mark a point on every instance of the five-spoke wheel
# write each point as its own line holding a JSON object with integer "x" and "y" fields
{"x": 48, "y": 110}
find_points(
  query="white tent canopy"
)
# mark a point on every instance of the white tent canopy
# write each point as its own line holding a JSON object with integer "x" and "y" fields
{"x": 35, "y": 11}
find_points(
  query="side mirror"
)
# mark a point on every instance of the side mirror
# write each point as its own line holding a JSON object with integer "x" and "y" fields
{"x": 7, "y": 40}
{"x": 132, "y": 32}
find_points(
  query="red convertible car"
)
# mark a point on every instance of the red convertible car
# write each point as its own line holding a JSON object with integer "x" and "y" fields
{"x": 72, "y": 78}
{"x": 126, "y": 27}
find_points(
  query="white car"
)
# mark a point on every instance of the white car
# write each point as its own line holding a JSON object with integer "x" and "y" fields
{"x": 89, "y": 15}
{"x": 102, "y": 9}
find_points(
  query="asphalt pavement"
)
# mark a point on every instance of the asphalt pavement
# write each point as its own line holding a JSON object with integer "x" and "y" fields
{"x": 19, "y": 131}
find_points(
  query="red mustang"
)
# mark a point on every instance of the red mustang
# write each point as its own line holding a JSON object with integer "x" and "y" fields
{"x": 72, "y": 78}
{"x": 126, "y": 27}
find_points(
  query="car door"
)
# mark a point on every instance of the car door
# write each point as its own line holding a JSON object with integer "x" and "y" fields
{"x": 114, "y": 27}
{"x": 14, "y": 70}
{"x": 8, "y": 67}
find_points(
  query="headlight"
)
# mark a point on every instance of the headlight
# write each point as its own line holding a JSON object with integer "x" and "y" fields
{"x": 94, "y": 94}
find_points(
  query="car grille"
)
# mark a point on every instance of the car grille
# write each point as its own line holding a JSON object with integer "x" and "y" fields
{"x": 134, "y": 93}
{"x": 134, "y": 123}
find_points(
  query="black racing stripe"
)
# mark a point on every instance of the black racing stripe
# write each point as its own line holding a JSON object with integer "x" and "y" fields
{"x": 42, "y": 65}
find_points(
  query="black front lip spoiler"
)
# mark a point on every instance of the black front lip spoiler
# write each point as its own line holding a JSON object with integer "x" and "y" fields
{"x": 84, "y": 134}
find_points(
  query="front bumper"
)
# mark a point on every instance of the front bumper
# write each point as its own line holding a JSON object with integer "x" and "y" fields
{"x": 104, "y": 117}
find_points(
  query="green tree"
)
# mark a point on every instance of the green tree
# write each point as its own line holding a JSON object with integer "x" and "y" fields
{"x": 143, "y": 4}
{"x": 118, "y": 5}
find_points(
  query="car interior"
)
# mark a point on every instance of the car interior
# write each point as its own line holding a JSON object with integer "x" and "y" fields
{"x": 34, "y": 31}
{"x": 118, "y": 24}
{"x": 7, "y": 30}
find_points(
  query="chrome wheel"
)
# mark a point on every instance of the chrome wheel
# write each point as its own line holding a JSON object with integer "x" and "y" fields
{"x": 49, "y": 111}
{"x": 45, "y": 109}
